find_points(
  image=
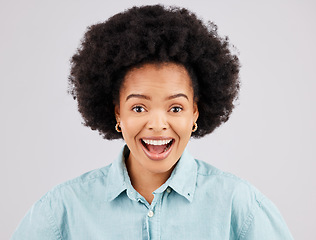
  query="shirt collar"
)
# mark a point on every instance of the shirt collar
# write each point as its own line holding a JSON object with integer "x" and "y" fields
{"x": 116, "y": 182}
{"x": 182, "y": 179}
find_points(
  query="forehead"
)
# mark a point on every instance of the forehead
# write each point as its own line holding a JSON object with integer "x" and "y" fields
{"x": 165, "y": 78}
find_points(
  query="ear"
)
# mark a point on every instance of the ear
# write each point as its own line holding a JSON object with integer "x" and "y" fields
{"x": 195, "y": 112}
{"x": 117, "y": 113}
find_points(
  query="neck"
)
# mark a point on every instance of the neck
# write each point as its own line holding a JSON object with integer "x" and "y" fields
{"x": 144, "y": 181}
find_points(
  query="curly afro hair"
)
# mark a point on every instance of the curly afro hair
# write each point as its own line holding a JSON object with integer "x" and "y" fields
{"x": 153, "y": 34}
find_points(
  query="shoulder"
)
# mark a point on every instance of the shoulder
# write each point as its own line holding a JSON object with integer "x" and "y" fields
{"x": 237, "y": 194}
{"x": 83, "y": 186}
{"x": 207, "y": 172}
{"x": 241, "y": 190}
{"x": 46, "y": 216}
{"x": 253, "y": 215}
{"x": 87, "y": 178}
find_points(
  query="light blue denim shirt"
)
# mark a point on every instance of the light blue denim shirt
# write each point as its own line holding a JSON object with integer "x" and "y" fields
{"x": 198, "y": 201}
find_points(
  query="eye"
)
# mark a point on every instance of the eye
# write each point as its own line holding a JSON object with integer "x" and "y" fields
{"x": 176, "y": 109}
{"x": 138, "y": 109}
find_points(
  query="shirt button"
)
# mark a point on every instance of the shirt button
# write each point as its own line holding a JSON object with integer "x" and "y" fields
{"x": 150, "y": 214}
{"x": 168, "y": 190}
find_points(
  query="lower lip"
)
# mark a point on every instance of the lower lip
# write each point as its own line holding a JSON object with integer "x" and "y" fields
{"x": 157, "y": 157}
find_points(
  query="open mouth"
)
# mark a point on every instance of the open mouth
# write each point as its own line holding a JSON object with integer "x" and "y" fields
{"x": 157, "y": 149}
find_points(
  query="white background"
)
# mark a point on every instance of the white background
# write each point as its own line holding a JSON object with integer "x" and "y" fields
{"x": 269, "y": 140}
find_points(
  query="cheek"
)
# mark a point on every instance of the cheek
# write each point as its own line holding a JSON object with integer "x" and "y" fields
{"x": 183, "y": 126}
{"x": 131, "y": 127}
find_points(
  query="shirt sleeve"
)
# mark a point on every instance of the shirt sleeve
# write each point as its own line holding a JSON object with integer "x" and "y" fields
{"x": 265, "y": 223}
{"x": 38, "y": 224}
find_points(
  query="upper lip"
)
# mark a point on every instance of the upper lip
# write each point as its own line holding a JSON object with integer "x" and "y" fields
{"x": 157, "y": 138}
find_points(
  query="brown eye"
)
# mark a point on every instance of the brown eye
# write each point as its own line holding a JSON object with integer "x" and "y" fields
{"x": 176, "y": 109}
{"x": 138, "y": 109}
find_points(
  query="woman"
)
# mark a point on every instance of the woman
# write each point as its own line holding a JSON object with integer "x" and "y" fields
{"x": 154, "y": 76}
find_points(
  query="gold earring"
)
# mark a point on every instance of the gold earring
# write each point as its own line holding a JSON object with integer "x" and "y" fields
{"x": 117, "y": 127}
{"x": 195, "y": 127}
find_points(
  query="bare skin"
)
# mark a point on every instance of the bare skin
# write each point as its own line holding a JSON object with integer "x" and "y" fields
{"x": 156, "y": 103}
{"x": 145, "y": 183}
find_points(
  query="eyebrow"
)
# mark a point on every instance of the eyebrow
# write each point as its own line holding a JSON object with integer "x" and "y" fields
{"x": 149, "y": 98}
{"x": 177, "y": 96}
{"x": 137, "y": 96}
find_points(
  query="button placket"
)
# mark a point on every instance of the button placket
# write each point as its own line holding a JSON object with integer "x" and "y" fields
{"x": 150, "y": 213}
{"x": 153, "y": 216}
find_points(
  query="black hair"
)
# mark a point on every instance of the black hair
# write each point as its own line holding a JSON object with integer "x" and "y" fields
{"x": 153, "y": 34}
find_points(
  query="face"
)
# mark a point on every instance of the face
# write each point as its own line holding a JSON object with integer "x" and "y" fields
{"x": 156, "y": 113}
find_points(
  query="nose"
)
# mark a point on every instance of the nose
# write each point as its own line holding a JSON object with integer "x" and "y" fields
{"x": 157, "y": 121}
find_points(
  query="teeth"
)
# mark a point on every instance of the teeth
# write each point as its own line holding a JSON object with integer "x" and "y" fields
{"x": 157, "y": 142}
